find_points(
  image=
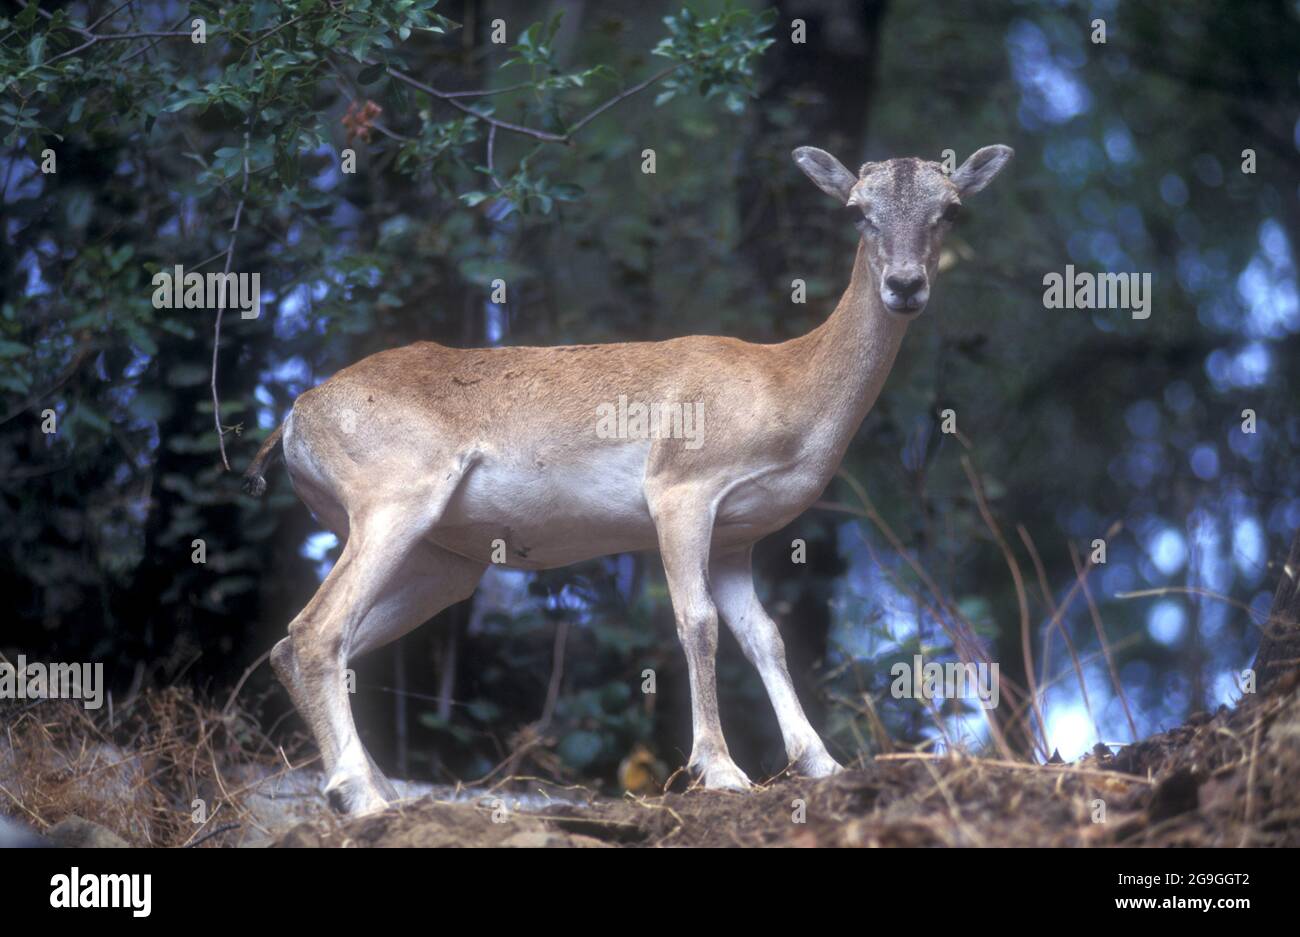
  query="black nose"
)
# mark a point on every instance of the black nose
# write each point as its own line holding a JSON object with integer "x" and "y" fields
{"x": 905, "y": 287}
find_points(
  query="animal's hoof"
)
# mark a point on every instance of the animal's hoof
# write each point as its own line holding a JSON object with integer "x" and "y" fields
{"x": 818, "y": 764}
{"x": 354, "y": 796}
{"x": 721, "y": 775}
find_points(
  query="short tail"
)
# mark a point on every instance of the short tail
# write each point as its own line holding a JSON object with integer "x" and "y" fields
{"x": 255, "y": 477}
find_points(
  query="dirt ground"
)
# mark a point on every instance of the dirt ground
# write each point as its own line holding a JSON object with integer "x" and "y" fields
{"x": 1227, "y": 779}
{"x": 1223, "y": 779}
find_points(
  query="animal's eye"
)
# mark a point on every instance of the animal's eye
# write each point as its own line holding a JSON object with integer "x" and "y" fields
{"x": 952, "y": 211}
{"x": 862, "y": 222}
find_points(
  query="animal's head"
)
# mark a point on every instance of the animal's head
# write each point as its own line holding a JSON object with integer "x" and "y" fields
{"x": 903, "y": 208}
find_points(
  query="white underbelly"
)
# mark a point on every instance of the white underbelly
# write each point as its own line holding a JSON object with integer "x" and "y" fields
{"x": 544, "y": 515}
{"x": 528, "y": 515}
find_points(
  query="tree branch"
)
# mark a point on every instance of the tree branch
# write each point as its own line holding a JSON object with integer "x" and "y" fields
{"x": 491, "y": 168}
{"x": 486, "y": 92}
{"x": 451, "y": 97}
{"x": 545, "y": 136}
{"x": 658, "y": 76}
{"x": 109, "y": 15}
{"x": 433, "y": 92}
{"x": 102, "y": 37}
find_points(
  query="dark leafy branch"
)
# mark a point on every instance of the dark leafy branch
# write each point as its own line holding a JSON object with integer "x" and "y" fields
{"x": 264, "y": 64}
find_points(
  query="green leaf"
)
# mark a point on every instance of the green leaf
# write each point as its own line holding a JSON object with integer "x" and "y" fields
{"x": 140, "y": 338}
{"x": 371, "y": 74}
{"x": 27, "y": 17}
{"x": 85, "y": 414}
{"x": 117, "y": 260}
{"x": 188, "y": 100}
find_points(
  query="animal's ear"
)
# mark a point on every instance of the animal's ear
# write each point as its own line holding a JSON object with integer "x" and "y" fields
{"x": 980, "y": 168}
{"x": 827, "y": 172}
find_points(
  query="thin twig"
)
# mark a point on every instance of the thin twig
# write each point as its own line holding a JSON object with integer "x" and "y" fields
{"x": 95, "y": 38}
{"x": 1130, "y": 641}
{"x": 249, "y": 43}
{"x": 149, "y": 47}
{"x": 484, "y": 92}
{"x": 109, "y": 15}
{"x": 230, "y": 701}
{"x": 225, "y": 828}
{"x": 965, "y": 643}
{"x": 1187, "y": 590}
{"x": 81, "y": 354}
{"x": 1250, "y": 783}
{"x": 545, "y": 136}
{"x": 1041, "y": 572}
{"x": 216, "y": 331}
{"x": 1019, "y": 582}
{"x": 557, "y": 673}
{"x": 1082, "y": 573}
{"x": 640, "y": 86}
{"x": 953, "y": 809}
{"x": 491, "y": 146}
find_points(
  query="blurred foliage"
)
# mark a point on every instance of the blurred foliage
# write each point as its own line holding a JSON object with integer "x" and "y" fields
{"x": 1128, "y": 158}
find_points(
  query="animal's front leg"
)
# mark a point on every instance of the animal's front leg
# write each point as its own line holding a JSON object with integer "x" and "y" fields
{"x": 685, "y": 527}
{"x": 732, "y": 579}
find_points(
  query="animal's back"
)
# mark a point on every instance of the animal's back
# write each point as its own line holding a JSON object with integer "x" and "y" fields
{"x": 522, "y": 429}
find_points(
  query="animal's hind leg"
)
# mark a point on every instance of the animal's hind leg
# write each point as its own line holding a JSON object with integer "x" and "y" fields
{"x": 375, "y": 593}
{"x": 431, "y": 579}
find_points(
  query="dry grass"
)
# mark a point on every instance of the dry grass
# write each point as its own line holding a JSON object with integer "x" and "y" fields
{"x": 137, "y": 770}
{"x": 1227, "y": 779}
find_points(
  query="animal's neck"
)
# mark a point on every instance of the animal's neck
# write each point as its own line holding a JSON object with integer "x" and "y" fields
{"x": 846, "y": 360}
